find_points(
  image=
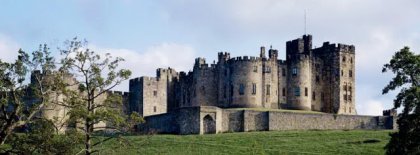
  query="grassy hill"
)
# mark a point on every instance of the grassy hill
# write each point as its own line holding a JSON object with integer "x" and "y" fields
{"x": 272, "y": 142}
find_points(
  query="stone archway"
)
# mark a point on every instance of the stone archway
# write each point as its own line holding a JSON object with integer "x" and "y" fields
{"x": 209, "y": 125}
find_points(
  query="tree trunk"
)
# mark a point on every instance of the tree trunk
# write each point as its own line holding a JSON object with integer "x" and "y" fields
{"x": 3, "y": 137}
{"x": 88, "y": 146}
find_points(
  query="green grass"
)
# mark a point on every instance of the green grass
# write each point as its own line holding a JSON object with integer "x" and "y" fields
{"x": 272, "y": 142}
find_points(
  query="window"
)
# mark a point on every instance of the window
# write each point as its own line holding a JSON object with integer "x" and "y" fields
{"x": 255, "y": 69}
{"x": 241, "y": 89}
{"x": 351, "y": 60}
{"x": 231, "y": 90}
{"x": 350, "y": 89}
{"x": 268, "y": 90}
{"x": 284, "y": 92}
{"x": 203, "y": 90}
{"x": 342, "y": 73}
{"x": 349, "y": 97}
{"x": 350, "y": 73}
{"x": 224, "y": 92}
{"x": 154, "y": 108}
{"x": 306, "y": 91}
{"x": 294, "y": 71}
{"x": 345, "y": 87}
{"x": 155, "y": 93}
{"x": 344, "y": 59}
{"x": 313, "y": 96}
{"x": 267, "y": 69}
{"x": 254, "y": 89}
{"x": 297, "y": 91}
{"x": 345, "y": 97}
{"x": 283, "y": 72}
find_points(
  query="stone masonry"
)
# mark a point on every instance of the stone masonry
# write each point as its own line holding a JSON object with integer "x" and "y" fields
{"x": 313, "y": 79}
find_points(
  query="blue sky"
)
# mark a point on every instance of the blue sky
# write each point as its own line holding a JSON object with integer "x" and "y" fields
{"x": 163, "y": 33}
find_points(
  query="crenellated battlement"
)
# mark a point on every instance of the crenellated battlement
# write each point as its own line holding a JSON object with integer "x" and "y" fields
{"x": 390, "y": 112}
{"x": 143, "y": 78}
{"x": 223, "y": 56}
{"x": 281, "y": 62}
{"x": 332, "y": 47}
{"x": 120, "y": 93}
{"x": 300, "y": 45}
{"x": 245, "y": 58}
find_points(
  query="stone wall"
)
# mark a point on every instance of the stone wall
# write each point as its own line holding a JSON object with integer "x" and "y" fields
{"x": 191, "y": 120}
{"x": 233, "y": 121}
{"x": 163, "y": 123}
{"x": 255, "y": 121}
{"x": 298, "y": 121}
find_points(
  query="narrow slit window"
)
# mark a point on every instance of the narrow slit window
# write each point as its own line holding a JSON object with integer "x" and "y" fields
{"x": 254, "y": 88}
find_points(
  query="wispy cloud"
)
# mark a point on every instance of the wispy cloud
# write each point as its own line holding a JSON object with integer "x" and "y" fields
{"x": 8, "y": 49}
{"x": 164, "y": 55}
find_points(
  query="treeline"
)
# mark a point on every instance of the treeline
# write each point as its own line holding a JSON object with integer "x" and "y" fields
{"x": 65, "y": 105}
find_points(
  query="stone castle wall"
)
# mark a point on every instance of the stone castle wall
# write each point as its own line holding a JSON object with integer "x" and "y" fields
{"x": 312, "y": 79}
{"x": 190, "y": 120}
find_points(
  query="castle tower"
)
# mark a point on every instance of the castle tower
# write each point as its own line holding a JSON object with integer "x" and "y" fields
{"x": 270, "y": 80}
{"x": 223, "y": 82}
{"x": 246, "y": 86}
{"x": 299, "y": 74}
{"x": 204, "y": 85}
{"x": 338, "y": 78}
{"x": 346, "y": 80}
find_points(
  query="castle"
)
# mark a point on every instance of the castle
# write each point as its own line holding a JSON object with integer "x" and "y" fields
{"x": 313, "y": 89}
{"x": 314, "y": 79}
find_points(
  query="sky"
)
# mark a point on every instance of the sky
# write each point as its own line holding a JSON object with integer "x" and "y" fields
{"x": 150, "y": 34}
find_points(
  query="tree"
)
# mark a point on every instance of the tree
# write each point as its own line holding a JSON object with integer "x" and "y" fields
{"x": 406, "y": 67}
{"x": 91, "y": 105}
{"x": 15, "y": 109}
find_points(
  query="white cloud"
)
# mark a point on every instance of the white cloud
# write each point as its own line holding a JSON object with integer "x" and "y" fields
{"x": 177, "y": 56}
{"x": 370, "y": 107}
{"x": 8, "y": 49}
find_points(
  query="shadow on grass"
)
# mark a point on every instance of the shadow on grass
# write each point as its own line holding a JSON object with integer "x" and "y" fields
{"x": 367, "y": 141}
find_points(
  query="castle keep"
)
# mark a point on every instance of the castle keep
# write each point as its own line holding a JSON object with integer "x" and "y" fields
{"x": 237, "y": 94}
{"x": 312, "y": 79}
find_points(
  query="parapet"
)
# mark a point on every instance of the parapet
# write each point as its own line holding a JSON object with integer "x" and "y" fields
{"x": 223, "y": 56}
{"x": 389, "y": 112}
{"x": 299, "y": 45}
{"x": 281, "y": 62}
{"x": 273, "y": 54}
{"x": 244, "y": 59}
{"x": 327, "y": 47}
{"x": 120, "y": 93}
{"x": 346, "y": 48}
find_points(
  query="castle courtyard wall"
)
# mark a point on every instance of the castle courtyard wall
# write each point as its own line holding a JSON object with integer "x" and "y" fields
{"x": 189, "y": 120}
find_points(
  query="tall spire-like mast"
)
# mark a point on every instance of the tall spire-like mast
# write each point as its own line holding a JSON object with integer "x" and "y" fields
{"x": 304, "y": 21}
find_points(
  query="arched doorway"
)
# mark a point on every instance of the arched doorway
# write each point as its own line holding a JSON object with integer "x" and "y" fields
{"x": 209, "y": 125}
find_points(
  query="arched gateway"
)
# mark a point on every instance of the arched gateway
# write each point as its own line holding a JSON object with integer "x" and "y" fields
{"x": 209, "y": 125}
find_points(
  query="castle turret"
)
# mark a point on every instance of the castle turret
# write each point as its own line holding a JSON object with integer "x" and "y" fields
{"x": 299, "y": 73}
{"x": 262, "y": 52}
{"x": 246, "y": 86}
{"x": 273, "y": 54}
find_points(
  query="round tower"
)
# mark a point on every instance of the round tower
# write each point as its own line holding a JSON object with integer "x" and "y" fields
{"x": 299, "y": 73}
{"x": 245, "y": 82}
